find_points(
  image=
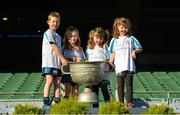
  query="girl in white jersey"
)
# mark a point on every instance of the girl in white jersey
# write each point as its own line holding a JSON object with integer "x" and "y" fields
{"x": 124, "y": 47}
{"x": 73, "y": 52}
{"x": 97, "y": 51}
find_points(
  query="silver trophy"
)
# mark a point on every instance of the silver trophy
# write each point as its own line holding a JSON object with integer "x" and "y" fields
{"x": 87, "y": 74}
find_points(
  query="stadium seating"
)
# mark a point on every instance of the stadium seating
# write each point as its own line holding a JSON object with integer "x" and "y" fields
{"x": 4, "y": 79}
{"x": 139, "y": 88}
{"x": 148, "y": 85}
{"x": 151, "y": 84}
{"x": 167, "y": 82}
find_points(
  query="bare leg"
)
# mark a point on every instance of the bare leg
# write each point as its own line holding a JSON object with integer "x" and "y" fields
{"x": 56, "y": 86}
{"x": 67, "y": 89}
{"x": 75, "y": 90}
{"x": 47, "y": 87}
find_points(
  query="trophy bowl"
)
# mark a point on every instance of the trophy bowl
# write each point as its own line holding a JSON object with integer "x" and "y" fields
{"x": 87, "y": 74}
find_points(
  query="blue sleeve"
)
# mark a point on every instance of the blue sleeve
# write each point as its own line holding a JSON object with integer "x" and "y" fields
{"x": 111, "y": 45}
{"x": 135, "y": 42}
{"x": 107, "y": 52}
{"x": 62, "y": 50}
{"x": 86, "y": 54}
{"x": 49, "y": 36}
{"x": 83, "y": 55}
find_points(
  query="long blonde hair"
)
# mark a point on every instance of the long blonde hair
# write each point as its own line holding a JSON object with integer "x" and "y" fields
{"x": 121, "y": 21}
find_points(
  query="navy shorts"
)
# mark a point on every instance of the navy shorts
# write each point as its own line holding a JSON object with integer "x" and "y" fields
{"x": 66, "y": 78}
{"x": 51, "y": 71}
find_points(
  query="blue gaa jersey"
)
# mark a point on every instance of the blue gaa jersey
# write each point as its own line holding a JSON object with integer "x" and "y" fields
{"x": 73, "y": 53}
{"x": 49, "y": 57}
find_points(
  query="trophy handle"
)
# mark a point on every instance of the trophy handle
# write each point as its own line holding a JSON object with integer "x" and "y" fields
{"x": 65, "y": 69}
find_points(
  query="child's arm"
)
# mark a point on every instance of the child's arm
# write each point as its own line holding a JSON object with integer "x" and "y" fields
{"x": 59, "y": 54}
{"x": 111, "y": 59}
{"x": 134, "y": 52}
{"x": 137, "y": 47}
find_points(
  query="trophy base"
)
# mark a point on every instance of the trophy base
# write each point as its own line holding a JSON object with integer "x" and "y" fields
{"x": 88, "y": 96}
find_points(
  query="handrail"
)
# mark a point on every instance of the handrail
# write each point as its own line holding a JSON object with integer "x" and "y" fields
{"x": 16, "y": 93}
{"x": 168, "y": 93}
{"x": 156, "y": 91}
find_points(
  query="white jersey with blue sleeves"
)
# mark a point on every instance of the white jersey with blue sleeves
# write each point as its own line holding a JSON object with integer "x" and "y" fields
{"x": 49, "y": 57}
{"x": 123, "y": 47}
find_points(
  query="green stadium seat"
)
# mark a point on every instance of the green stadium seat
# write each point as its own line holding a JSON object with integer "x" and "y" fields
{"x": 175, "y": 76}
{"x": 4, "y": 77}
{"x": 168, "y": 82}
{"x": 139, "y": 88}
{"x": 152, "y": 84}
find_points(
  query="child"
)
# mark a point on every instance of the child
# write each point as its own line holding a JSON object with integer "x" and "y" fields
{"x": 73, "y": 52}
{"x": 124, "y": 47}
{"x": 97, "y": 51}
{"x": 52, "y": 59}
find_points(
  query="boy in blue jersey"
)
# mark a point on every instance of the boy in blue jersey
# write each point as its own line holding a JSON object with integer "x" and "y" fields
{"x": 52, "y": 59}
